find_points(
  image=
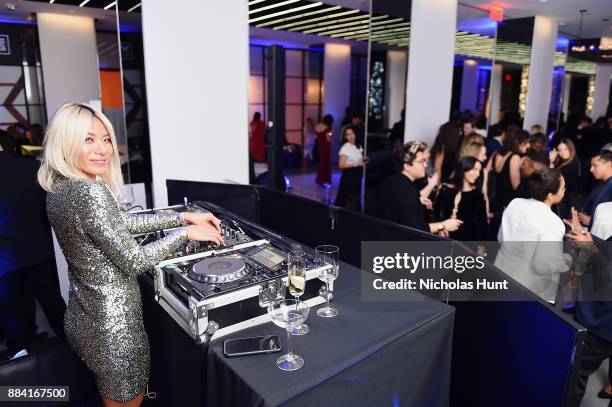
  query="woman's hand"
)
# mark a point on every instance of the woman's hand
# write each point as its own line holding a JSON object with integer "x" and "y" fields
{"x": 584, "y": 218}
{"x": 583, "y": 241}
{"x": 574, "y": 223}
{"x": 552, "y": 155}
{"x": 201, "y": 218}
{"x": 452, "y": 224}
{"x": 204, "y": 233}
{"x": 426, "y": 202}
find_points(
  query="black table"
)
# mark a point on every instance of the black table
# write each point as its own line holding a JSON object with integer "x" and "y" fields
{"x": 372, "y": 353}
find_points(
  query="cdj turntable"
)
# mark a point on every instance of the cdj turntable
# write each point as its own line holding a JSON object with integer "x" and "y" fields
{"x": 211, "y": 291}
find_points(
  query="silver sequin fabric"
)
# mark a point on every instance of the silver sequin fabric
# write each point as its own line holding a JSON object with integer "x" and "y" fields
{"x": 103, "y": 321}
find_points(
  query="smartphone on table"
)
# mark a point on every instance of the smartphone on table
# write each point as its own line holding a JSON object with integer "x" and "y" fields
{"x": 251, "y": 346}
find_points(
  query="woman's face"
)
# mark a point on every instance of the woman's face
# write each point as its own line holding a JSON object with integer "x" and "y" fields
{"x": 96, "y": 150}
{"x": 349, "y": 136}
{"x": 558, "y": 196}
{"x": 482, "y": 156}
{"x": 472, "y": 175}
{"x": 524, "y": 147}
{"x": 563, "y": 151}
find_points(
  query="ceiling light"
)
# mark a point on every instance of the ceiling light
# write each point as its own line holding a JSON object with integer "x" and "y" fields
{"x": 282, "y": 20}
{"x": 344, "y": 29}
{"x": 282, "y": 3}
{"x": 134, "y": 8}
{"x": 389, "y": 21}
{"x": 255, "y": 2}
{"x": 51, "y": 1}
{"x": 328, "y": 26}
{"x": 280, "y": 13}
{"x": 114, "y": 3}
{"x": 84, "y": 2}
{"x": 344, "y": 13}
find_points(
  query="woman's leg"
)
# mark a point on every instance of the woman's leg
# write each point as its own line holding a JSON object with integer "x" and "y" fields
{"x": 135, "y": 402}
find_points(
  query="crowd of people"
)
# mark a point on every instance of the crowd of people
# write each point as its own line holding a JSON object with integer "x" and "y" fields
{"x": 532, "y": 194}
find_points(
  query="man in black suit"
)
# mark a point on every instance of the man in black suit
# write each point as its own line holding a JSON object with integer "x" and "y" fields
{"x": 27, "y": 266}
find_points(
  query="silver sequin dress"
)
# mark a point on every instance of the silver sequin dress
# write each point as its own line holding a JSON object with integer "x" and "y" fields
{"x": 103, "y": 321}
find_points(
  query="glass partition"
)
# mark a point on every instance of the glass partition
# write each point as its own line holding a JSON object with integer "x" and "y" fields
{"x": 132, "y": 74}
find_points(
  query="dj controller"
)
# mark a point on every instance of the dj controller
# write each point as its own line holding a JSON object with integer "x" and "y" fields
{"x": 211, "y": 290}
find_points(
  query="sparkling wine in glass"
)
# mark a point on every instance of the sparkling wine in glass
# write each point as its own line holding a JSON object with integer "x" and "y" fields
{"x": 327, "y": 258}
{"x": 296, "y": 273}
{"x": 288, "y": 314}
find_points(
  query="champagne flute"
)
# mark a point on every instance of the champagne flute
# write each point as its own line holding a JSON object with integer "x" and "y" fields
{"x": 327, "y": 258}
{"x": 288, "y": 314}
{"x": 296, "y": 274}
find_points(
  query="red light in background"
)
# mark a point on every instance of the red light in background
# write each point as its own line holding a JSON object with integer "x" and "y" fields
{"x": 496, "y": 12}
{"x": 507, "y": 77}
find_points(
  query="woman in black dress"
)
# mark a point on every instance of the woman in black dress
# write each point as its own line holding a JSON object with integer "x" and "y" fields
{"x": 564, "y": 158}
{"x": 464, "y": 200}
{"x": 507, "y": 174}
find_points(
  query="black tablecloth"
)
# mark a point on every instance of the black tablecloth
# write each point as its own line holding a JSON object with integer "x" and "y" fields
{"x": 372, "y": 353}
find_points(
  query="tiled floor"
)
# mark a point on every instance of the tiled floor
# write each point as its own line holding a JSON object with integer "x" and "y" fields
{"x": 303, "y": 184}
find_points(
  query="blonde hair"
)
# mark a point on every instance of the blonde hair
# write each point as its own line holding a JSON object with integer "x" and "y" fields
{"x": 468, "y": 148}
{"x": 65, "y": 134}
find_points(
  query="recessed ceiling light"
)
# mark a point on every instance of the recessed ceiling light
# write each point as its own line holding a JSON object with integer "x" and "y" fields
{"x": 114, "y": 3}
{"x": 83, "y": 3}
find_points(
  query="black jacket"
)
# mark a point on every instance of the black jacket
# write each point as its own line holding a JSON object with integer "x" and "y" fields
{"x": 24, "y": 229}
{"x": 594, "y": 311}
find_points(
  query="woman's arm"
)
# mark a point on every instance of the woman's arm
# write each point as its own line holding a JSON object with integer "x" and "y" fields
{"x": 145, "y": 223}
{"x": 438, "y": 160}
{"x": 342, "y": 164}
{"x": 515, "y": 171}
{"x": 432, "y": 182}
{"x": 99, "y": 217}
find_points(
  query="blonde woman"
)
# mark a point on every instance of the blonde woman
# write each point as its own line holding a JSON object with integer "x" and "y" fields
{"x": 103, "y": 322}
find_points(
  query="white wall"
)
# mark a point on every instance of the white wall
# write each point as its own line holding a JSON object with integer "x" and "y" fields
{"x": 69, "y": 57}
{"x": 336, "y": 87}
{"x": 197, "y": 69}
{"x": 601, "y": 96}
{"x": 430, "y": 68}
{"x": 395, "y": 92}
{"x": 539, "y": 86}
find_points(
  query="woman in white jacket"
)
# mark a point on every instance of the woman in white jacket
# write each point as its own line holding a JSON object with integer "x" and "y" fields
{"x": 531, "y": 236}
